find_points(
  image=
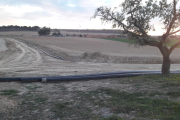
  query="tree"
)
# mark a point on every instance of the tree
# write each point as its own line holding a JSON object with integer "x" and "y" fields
{"x": 135, "y": 16}
{"x": 44, "y": 31}
{"x": 56, "y": 33}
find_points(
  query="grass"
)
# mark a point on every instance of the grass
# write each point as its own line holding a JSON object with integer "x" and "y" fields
{"x": 72, "y": 111}
{"x": 119, "y": 40}
{"x": 32, "y": 106}
{"x": 146, "y": 97}
{"x": 173, "y": 41}
{"x": 112, "y": 117}
{"x": 155, "y": 93}
{"x": 174, "y": 93}
{"x": 137, "y": 103}
{"x": 9, "y": 92}
{"x": 172, "y": 78}
{"x": 33, "y": 87}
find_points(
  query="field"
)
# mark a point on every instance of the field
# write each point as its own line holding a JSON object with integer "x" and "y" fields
{"x": 135, "y": 98}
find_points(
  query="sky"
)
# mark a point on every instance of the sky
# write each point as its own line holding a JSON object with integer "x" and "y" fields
{"x": 60, "y": 14}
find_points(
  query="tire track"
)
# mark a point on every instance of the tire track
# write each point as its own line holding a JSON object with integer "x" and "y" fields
{"x": 25, "y": 59}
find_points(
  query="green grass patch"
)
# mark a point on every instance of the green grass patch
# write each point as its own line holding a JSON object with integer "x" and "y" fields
{"x": 172, "y": 42}
{"x": 154, "y": 93}
{"x": 119, "y": 40}
{"x": 171, "y": 84}
{"x": 33, "y": 87}
{"x": 72, "y": 111}
{"x": 171, "y": 80}
{"x": 9, "y": 92}
{"x": 112, "y": 117}
{"x": 62, "y": 105}
{"x": 173, "y": 93}
{"x": 32, "y": 106}
{"x": 125, "y": 40}
{"x": 40, "y": 100}
{"x": 124, "y": 102}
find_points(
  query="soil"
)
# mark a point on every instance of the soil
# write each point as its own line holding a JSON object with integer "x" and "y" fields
{"x": 20, "y": 60}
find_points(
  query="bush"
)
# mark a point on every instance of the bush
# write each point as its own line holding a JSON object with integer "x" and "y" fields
{"x": 44, "y": 31}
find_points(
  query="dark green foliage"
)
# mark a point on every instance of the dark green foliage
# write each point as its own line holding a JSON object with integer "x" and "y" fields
{"x": 44, "y": 31}
{"x": 9, "y": 92}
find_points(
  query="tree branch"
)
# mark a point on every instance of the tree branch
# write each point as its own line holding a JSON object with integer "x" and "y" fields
{"x": 173, "y": 47}
{"x": 170, "y": 25}
{"x": 178, "y": 14}
{"x": 174, "y": 32}
{"x": 151, "y": 43}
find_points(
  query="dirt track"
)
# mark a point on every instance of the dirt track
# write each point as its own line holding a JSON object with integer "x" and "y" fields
{"x": 26, "y": 61}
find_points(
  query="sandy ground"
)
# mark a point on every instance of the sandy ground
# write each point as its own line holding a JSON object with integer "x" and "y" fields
{"x": 2, "y": 45}
{"x": 26, "y": 61}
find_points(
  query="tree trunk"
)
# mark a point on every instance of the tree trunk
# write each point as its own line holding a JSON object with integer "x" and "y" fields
{"x": 166, "y": 65}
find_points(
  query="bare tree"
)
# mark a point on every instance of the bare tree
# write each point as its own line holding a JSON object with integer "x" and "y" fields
{"x": 135, "y": 16}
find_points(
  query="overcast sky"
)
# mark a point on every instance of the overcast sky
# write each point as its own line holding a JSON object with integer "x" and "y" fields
{"x": 61, "y": 14}
{"x": 54, "y": 13}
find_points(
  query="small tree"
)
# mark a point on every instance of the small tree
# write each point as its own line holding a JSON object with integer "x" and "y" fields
{"x": 56, "y": 33}
{"x": 135, "y": 18}
{"x": 44, "y": 31}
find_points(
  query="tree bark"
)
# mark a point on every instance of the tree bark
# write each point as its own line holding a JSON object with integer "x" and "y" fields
{"x": 166, "y": 65}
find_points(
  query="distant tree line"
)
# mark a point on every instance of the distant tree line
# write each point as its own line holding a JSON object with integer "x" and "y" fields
{"x": 19, "y": 28}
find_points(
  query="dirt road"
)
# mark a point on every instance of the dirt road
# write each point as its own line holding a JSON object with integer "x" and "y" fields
{"x": 2, "y": 45}
{"x": 27, "y": 61}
